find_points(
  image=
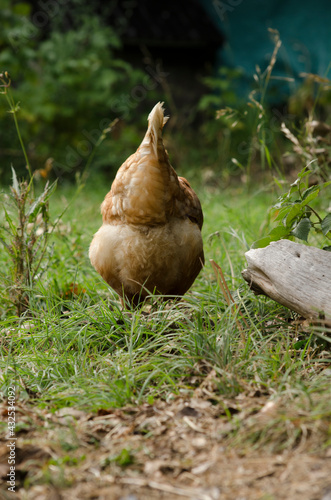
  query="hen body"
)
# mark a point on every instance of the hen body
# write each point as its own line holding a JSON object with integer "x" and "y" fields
{"x": 150, "y": 240}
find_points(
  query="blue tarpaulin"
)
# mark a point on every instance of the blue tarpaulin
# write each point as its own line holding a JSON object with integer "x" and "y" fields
{"x": 304, "y": 28}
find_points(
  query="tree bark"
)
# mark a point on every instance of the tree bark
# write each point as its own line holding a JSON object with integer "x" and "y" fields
{"x": 297, "y": 276}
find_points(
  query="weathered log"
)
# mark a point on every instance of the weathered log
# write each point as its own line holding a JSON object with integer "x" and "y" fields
{"x": 297, "y": 276}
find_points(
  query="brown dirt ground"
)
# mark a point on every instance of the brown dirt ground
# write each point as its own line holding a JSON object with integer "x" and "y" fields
{"x": 184, "y": 448}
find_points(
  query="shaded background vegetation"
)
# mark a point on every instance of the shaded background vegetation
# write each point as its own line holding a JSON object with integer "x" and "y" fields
{"x": 77, "y": 65}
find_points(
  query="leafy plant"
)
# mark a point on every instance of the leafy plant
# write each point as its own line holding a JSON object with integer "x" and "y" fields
{"x": 246, "y": 130}
{"x": 312, "y": 144}
{"x": 25, "y": 237}
{"x": 72, "y": 88}
{"x": 257, "y": 100}
{"x": 295, "y": 215}
{"x": 26, "y": 230}
{"x": 224, "y": 137}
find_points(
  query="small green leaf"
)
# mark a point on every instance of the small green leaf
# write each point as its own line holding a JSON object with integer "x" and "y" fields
{"x": 11, "y": 225}
{"x": 293, "y": 189}
{"x": 262, "y": 242}
{"x": 41, "y": 200}
{"x": 15, "y": 186}
{"x": 267, "y": 154}
{"x": 302, "y": 229}
{"x": 307, "y": 192}
{"x": 295, "y": 210}
{"x": 304, "y": 172}
{"x": 124, "y": 458}
{"x": 36, "y": 206}
{"x": 150, "y": 399}
{"x": 300, "y": 344}
{"x": 326, "y": 224}
{"x": 15, "y": 108}
{"x": 283, "y": 212}
{"x": 278, "y": 232}
{"x": 310, "y": 196}
{"x": 7, "y": 247}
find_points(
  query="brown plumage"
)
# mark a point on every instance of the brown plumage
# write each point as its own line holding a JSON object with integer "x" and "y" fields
{"x": 150, "y": 240}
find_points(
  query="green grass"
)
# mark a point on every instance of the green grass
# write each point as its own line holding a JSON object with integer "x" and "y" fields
{"x": 84, "y": 350}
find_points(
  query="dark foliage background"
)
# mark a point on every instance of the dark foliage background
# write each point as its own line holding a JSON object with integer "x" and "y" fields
{"x": 76, "y": 66}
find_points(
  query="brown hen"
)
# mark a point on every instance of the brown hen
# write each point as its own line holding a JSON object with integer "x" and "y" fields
{"x": 150, "y": 240}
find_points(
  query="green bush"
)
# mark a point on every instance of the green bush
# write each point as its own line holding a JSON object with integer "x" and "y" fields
{"x": 296, "y": 217}
{"x": 70, "y": 86}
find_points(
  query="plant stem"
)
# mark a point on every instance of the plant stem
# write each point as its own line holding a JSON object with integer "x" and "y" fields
{"x": 12, "y": 106}
{"x": 314, "y": 211}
